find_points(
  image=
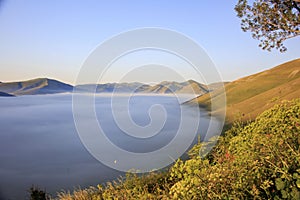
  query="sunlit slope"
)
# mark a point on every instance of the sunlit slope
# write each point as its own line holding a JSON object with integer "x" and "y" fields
{"x": 249, "y": 96}
{"x": 187, "y": 87}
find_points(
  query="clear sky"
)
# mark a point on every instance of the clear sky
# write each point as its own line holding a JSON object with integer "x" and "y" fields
{"x": 53, "y": 38}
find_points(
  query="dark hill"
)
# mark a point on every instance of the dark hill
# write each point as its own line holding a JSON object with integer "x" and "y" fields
{"x": 35, "y": 86}
{"x": 3, "y": 94}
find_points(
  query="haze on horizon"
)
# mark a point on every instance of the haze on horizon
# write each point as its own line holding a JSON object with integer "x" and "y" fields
{"x": 53, "y": 38}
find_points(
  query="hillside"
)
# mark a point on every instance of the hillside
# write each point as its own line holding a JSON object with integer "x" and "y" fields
{"x": 249, "y": 96}
{"x": 35, "y": 86}
{"x": 215, "y": 86}
{"x": 187, "y": 87}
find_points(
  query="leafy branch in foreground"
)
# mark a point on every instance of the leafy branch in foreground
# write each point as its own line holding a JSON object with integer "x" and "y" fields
{"x": 271, "y": 22}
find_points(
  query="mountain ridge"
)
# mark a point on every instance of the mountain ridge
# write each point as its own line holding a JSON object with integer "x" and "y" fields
{"x": 52, "y": 86}
{"x": 35, "y": 86}
{"x": 187, "y": 87}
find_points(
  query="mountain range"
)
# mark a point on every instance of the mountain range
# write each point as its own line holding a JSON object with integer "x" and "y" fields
{"x": 246, "y": 97}
{"x": 50, "y": 86}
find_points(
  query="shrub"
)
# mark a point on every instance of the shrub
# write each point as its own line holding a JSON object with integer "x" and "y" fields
{"x": 260, "y": 160}
{"x": 38, "y": 194}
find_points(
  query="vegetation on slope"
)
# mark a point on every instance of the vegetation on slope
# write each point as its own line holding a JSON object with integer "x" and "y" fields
{"x": 258, "y": 160}
{"x": 250, "y": 96}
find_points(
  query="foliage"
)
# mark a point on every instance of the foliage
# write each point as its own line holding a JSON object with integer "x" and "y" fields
{"x": 272, "y": 22}
{"x": 149, "y": 186}
{"x": 37, "y": 194}
{"x": 91, "y": 193}
{"x": 258, "y": 160}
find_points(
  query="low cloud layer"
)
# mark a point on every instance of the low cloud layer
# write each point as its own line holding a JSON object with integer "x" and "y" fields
{"x": 39, "y": 144}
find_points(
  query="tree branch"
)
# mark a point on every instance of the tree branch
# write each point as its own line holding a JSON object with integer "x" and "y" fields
{"x": 278, "y": 26}
{"x": 291, "y": 36}
{"x": 296, "y": 5}
{"x": 271, "y": 22}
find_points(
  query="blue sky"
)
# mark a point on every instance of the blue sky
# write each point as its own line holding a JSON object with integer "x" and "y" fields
{"x": 53, "y": 38}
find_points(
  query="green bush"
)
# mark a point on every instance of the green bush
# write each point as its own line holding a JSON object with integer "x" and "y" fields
{"x": 149, "y": 186}
{"x": 260, "y": 160}
{"x": 38, "y": 194}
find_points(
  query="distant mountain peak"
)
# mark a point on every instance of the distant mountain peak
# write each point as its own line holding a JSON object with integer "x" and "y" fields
{"x": 187, "y": 87}
{"x": 35, "y": 86}
{"x": 192, "y": 81}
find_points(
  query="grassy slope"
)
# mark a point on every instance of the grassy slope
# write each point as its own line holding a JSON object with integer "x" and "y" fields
{"x": 249, "y": 96}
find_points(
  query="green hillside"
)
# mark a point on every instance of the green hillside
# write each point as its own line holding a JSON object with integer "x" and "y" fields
{"x": 249, "y": 96}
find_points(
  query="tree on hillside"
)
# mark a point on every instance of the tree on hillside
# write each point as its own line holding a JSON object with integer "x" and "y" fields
{"x": 270, "y": 21}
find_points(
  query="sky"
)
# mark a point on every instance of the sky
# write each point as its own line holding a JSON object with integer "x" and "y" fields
{"x": 53, "y": 38}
